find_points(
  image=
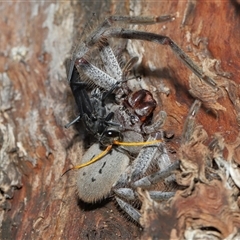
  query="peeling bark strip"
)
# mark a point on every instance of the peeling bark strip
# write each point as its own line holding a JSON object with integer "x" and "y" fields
{"x": 35, "y": 104}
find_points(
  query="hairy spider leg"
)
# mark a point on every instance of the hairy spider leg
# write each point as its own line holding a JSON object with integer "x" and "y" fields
{"x": 163, "y": 40}
{"x": 124, "y": 72}
{"x": 115, "y": 75}
{"x": 97, "y": 76}
{"x": 155, "y": 177}
{"x": 109, "y": 60}
{"x": 105, "y": 31}
{"x": 110, "y": 80}
{"x": 96, "y": 35}
{"x": 125, "y": 188}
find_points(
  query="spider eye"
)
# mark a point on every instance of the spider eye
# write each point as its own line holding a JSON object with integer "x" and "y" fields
{"x": 109, "y": 136}
{"x": 112, "y": 134}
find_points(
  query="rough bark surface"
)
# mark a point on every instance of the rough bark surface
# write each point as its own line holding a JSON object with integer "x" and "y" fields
{"x": 36, "y": 102}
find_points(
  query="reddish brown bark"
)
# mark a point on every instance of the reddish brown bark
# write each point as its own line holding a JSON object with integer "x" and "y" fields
{"x": 36, "y": 102}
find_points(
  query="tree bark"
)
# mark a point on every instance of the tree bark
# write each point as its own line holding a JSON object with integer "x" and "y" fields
{"x": 36, "y": 103}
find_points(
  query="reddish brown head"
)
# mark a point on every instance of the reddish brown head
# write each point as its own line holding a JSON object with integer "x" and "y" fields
{"x": 143, "y": 104}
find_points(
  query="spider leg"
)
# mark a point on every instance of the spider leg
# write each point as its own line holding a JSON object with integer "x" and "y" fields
{"x": 161, "y": 196}
{"x": 131, "y": 195}
{"x": 96, "y": 35}
{"x": 154, "y": 178}
{"x": 114, "y": 70}
{"x": 139, "y": 168}
{"x": 77, "y": 119}
{"x": 187, "y": 136}
{"x": 113, "y": 76}
{"x": 110, "y": 61}
{"x": 126, "y": 193}
{"x": 129, "y": 209}
{"x": 164, "y": 40}
{"x": 97, "y": 76}
{"x": 111, "y": 80}
{"x": 145, "y": 158}
{"x": 164, "y": 162}
{"x": 140, "y": 165}
{"x": 108, "y": 80}
{"x": 157, "y": 123}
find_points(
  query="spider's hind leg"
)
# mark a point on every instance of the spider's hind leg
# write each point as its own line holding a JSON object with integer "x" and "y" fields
{"x": 129, "y": 209}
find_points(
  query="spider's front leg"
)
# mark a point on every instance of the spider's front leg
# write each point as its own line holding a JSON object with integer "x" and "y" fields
{"x": 97, "y": 36}
{"x": 112, "y": 78}
{"x": 163, "y": 40}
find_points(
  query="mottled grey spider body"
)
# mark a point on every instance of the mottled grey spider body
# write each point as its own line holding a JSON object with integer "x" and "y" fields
{"x": 121, "y": 169}
{"x": 116, "y": 171}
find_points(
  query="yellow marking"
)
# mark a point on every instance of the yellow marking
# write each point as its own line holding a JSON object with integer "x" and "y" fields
{"x": 115, "y": 142}
{"x": 102, "y": 154}
{"x": 136, "y": 143}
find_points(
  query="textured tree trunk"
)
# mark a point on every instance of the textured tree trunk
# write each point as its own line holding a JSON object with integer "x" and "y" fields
{"x": 36, "y": 103}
